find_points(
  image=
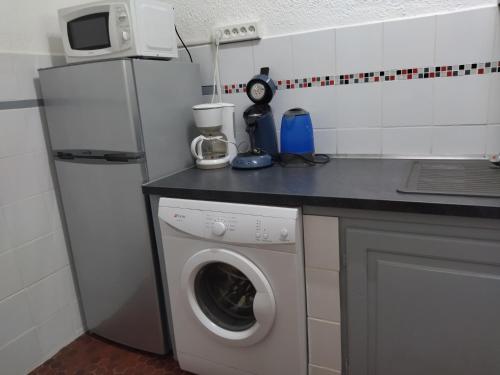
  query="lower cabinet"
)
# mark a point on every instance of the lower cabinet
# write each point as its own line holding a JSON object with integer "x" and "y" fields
{"x": 321, "y": 245}
{"x": 421, "y": 298}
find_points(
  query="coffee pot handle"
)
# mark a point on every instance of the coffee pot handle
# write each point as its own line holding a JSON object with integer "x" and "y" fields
{"x": 196, "y": 147}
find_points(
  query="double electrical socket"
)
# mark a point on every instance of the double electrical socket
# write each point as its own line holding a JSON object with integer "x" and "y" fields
{"x": 237, "y": 32}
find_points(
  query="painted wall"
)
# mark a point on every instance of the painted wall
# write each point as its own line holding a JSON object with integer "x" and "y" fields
{"x": 196, "y": 18}
{"x": 31, "y": 26}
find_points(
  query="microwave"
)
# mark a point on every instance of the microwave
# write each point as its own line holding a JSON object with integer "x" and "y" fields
{"x": 118, "y": 28}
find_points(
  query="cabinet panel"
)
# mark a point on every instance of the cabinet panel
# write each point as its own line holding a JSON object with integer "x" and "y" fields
{"x": 422, "y": 304}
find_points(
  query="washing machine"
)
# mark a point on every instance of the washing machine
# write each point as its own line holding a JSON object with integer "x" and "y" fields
{"x": 236, "y": 286}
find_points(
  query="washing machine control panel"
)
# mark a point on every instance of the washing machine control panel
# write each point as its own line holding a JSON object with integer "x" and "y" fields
{"x": 248, "y": 229}
{"x": 231, "y": 227}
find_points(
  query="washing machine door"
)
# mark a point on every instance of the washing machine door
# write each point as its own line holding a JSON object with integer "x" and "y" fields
{"x": 229, "y": 296}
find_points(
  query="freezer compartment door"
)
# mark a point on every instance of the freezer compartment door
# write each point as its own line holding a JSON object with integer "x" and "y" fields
{"x": 107, "y": 226}
{"x": 92, "y": 106}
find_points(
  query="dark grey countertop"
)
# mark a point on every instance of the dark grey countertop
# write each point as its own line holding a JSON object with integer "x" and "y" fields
{"x": 343, "y": 183}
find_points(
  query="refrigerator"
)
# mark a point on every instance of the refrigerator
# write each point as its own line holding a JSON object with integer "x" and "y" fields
{"x": 112, "y": 126}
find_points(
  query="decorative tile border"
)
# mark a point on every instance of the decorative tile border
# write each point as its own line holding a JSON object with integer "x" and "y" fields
{"x": 379, "y": 76}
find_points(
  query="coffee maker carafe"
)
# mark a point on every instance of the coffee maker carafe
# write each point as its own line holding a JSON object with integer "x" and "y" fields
{"x": 215, "y": 147}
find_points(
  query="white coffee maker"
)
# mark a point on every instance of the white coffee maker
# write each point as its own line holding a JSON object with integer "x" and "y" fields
{"x": 215, "y": 147}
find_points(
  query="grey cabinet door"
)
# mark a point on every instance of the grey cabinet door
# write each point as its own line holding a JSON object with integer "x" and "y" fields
{"x": 422, "y": 303}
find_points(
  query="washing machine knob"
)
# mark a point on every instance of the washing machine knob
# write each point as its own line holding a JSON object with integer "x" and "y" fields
{"x": 218, "y": 228}
{"x": 284, "y": 234}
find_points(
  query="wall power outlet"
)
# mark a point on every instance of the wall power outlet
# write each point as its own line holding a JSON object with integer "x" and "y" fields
{"x": 237, "y": 32}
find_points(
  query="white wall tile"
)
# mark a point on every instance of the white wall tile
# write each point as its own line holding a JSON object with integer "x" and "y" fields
{"x": 407, "y": 141}
{"x": 496, "y": 46}
{"x": 78, "y": 327}
{"x": 10, "y": 278}
{"x": 34, "y": 137}
{"x": 42, "y": 257}
{"x": 236, "y": 62}
{"x": 22, "y": 355}
{"x": 203, "y": 55}
{"x": 494, "y": 100}
{"x": 15, "y": 317}
{"x": 275, "y": 53}
{"x": 359, "y": 48}
{"x": 409, "y": 43}
{"x": 459, "y": 140}
{"x": 27, "y": 220}
{"x": 26, "y": 72}
{"x": 324, "y": 344}
{"x": 317, "y": 370}
{"x": 54, "y": 217}
{"x": 461, "y": 100}
{"x": 323, "y": 294}
{"x": 325, "y": 141}
{"x": 493, "y": 139}
{"x": 13, "y": 130}
{"x": 359, "y": 141}
{"x": 5, "y": 242}
{"x": 49, "y": 295}
{"x": 9, "y": 88}
{"x": 407, "y": 103}
{"x": 321, "y": 242}
{"x": 465, "y": 37}
{"x": 359, "y": 105}
{"x": 56, "y": 332}
{"x": 313, "y": 54}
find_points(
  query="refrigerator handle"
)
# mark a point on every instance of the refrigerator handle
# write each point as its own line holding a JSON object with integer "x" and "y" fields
{"x": 64, "y": 155}
{"x": 123, "y": 157}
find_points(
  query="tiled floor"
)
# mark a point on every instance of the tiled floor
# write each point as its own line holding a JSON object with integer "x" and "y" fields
{"x": 89, "y": 355}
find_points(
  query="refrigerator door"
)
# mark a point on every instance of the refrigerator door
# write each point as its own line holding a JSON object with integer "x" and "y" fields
{"x": 108, "y": 227}
{"x": 92, "y": 106}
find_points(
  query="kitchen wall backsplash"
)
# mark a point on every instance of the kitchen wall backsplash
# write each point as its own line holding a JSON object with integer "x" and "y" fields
{"x": 427, "y": 86}
{"x": 39, "y": 311}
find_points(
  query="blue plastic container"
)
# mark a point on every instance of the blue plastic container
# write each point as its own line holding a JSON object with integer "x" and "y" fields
{"x": 297, "y": 135}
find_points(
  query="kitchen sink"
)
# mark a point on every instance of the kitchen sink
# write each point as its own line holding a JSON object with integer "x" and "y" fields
{"x": 478, "y": 178}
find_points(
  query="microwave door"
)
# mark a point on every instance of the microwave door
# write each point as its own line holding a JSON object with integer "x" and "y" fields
{"x": 89, "y": 32}
{"x": 92, "y": 107}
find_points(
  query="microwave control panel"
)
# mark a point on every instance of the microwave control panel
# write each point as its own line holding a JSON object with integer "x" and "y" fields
{"x": 121, "y": 21}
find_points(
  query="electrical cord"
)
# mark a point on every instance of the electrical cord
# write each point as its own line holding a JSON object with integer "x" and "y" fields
{"x": 185, "y": 47}
{"x": 286, "y": 159}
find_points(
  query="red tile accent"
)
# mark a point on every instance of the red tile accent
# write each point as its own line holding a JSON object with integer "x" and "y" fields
{"x": 409, "y": 76}
{"x": 233, "y": 86}
{"x": 89, "y": 355}
{"x": 361, "y": 75}
{"x": 322, "y": 83}
{"x": 377, "y": 79}
{"x": 404, "y": 71}
{"x": 415, "y": 70}
{"x": 292, "y": 86}
{"x": 314, "y": 79}
{"x": 279, "y": 82}
{"x": 393, "y": 78}
{"x": 287, "y": 81}
{"x": 331, "y": 82}
{"x": 480, "y": 71}
{"x": 449, "y": 74}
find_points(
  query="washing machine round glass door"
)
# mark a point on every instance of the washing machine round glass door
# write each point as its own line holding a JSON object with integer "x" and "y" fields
{"x": 229, "y": 296}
